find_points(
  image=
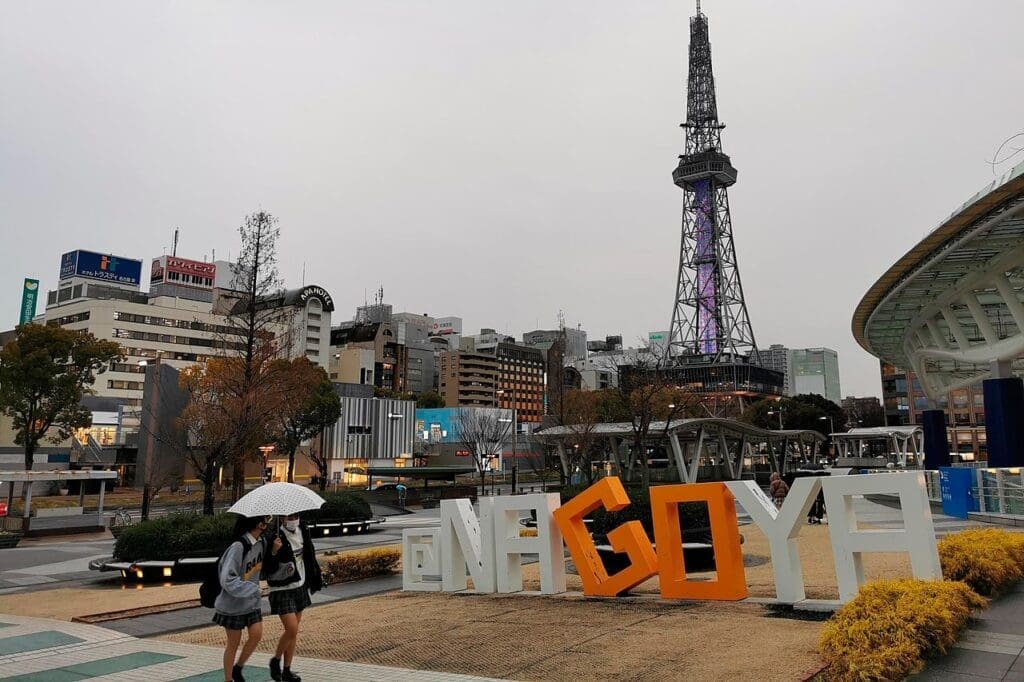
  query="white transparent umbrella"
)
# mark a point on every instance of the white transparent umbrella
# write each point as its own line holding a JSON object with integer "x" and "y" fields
{"x": 277, "y": 499}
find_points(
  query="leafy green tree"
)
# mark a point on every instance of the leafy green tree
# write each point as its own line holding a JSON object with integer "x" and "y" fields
{"x": 809, "y": 412}
{"x": 44, "y": 374}
{"x": 429, "y": 400}
{"x": 310, "y": 405}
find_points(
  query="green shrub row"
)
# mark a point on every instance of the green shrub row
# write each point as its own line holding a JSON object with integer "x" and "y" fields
{"x": 343, "y": 507}
{"x": 175, "y": 536}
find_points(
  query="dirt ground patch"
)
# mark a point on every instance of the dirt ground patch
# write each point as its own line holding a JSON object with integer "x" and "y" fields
{"x": 545, "y": 638}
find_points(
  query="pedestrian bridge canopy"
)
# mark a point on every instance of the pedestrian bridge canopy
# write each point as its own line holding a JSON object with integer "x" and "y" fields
{"x": 697, "y": 448}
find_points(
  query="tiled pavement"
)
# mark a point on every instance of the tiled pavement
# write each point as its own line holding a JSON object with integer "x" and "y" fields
{"x": 38, "y": 650}
{"x": 185, "y": 619}
{"x": 991, "y": 649}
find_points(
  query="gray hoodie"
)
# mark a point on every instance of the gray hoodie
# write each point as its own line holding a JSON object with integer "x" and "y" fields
{"x": 240, "y": 577}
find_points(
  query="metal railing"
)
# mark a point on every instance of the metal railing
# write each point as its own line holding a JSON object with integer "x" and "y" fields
{"x": 996, "y": 491}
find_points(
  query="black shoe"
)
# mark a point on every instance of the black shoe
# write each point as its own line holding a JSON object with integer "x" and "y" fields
{"x": 236, "y": 674}
{"x": 289, "y": 676}
{"x": 275, "y": 669}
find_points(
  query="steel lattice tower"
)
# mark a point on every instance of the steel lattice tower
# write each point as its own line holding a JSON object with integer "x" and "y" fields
{"x": 709, "y": 319}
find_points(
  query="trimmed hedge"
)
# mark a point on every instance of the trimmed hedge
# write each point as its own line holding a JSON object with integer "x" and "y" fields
{"x": 175, "y": 536}
{"x": 891, "y": 626}
{"x": 343, "y": 507}
{"x": 693, "y": 516}
{"x": 358, "y": 565}
{"x": 988, "y": 559}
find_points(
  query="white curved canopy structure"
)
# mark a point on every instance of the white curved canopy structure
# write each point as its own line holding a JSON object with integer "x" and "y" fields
{"x": 952, "y": 309}
{"x": 691, "y": 440}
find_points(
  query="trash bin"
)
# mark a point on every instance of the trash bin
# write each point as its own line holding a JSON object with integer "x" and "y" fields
{"x": 955, "y": 487}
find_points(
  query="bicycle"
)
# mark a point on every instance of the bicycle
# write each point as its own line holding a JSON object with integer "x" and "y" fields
{"x": 120, "y": 521}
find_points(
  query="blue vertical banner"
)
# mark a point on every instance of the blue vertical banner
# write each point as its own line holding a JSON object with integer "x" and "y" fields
{"x": 29, "y": 294}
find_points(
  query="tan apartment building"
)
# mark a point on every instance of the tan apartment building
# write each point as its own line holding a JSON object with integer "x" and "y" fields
{"x": 468, "y": 379}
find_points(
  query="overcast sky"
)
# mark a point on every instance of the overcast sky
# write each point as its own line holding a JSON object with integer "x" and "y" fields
{"x": 502, "y": 161}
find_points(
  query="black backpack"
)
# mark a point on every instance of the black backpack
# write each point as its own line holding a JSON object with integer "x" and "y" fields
{"x": 210, "y": 588}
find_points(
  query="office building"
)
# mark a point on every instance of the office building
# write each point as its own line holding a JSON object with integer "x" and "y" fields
{"x": 575, "y": 342}
{"x": 468, "y": 379}
{"x": 370, "y": 432}
{"x": 521, "y": 377}
{"x": 816, "y": 370}
{"x": 904, "y": 402}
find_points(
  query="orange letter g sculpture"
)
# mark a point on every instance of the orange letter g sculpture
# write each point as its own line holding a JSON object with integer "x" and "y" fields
{"x": 629, "y": 538}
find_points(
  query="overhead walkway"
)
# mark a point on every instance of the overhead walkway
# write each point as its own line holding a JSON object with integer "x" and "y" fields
{"x": 726, "y": 443}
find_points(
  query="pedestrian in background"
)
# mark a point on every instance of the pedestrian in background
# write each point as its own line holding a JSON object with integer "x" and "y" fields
{"x": 777, "y": 489}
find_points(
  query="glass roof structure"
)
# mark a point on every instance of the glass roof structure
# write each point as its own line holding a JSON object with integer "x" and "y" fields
{"x": 951, "y": 309}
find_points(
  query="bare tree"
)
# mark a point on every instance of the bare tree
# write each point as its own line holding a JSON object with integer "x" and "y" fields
{"x": 316, "y": 454}
{"x": 482, "y": 431}
{"x": 258, "y": 331}
{"x": 648, "y": 398}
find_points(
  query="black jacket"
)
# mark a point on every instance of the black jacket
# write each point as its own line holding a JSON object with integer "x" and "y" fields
{"x": 271, "y": 563}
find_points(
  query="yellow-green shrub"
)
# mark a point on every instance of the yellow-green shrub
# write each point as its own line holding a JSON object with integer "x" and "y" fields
{"x": 358, "y": 565}
{"x": 987, "y": 559}
{"x": 527, "y": 532}
{"x": 888, "y": 629}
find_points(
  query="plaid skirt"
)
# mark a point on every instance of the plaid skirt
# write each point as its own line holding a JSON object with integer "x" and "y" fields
{"x": 239, "y": 622}
{"x": 294, "y": 600}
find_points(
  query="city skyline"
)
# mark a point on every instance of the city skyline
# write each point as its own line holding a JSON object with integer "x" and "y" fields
{"x": 497, "y": 175}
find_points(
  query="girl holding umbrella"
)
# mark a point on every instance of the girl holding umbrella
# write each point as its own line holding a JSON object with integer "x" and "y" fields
{"x": 290, "y": 589}
{"x": 291, "y": 568}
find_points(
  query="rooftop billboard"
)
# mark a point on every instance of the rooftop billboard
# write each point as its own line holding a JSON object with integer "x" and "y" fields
{"x": 101, "y": 266}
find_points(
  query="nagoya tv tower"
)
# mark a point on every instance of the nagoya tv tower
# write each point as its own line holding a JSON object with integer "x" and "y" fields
{"x": 711, "y": 346}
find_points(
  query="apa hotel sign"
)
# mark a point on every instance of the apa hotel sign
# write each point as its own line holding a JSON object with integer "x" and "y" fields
{"x": 488, "y": 548}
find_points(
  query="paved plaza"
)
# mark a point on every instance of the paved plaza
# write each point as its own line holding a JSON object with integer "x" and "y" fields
{"x": 37, "y": 650}
{"x": 368, "y": 630}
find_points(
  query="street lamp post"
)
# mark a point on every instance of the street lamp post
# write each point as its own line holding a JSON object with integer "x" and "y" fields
{"x": 266, "y": 450}
{"x": 831, "y": 427}
{"x": 778, "y": 411}
{"x": 515, "y": 429}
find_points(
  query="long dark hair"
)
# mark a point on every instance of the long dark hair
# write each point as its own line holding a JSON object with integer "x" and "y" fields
{"x": 244, "y": 524}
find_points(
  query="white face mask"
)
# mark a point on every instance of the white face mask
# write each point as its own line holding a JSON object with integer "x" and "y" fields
{"x": 291, "y": 525}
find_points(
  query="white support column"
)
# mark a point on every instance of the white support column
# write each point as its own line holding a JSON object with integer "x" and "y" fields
{"x": 27, "y": 511}
{"x": 954, "y": 326}
{"x": 1011, "y": 298}
{"x": 979, "y": 479}
{"x": 723, "y": 450}
{"x": 698, "y": 452}
{"x": 564, "y": 459}
{"x": 980, "y": 318}
{"x": 677, "y": 455}
{"x": 103, "y": 491}
{"x": 937, "y": 336}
